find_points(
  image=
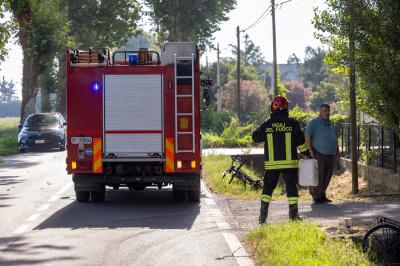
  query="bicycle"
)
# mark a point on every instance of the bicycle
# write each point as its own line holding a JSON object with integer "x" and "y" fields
{"x": 236, "y": 172}
{"x": 382, "y": 241}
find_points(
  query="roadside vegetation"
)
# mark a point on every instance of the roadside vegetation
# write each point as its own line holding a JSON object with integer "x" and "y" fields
{"x": 8, "y": 136}
{"x": 301, "y": 243}
{"x": 339, "y": 188}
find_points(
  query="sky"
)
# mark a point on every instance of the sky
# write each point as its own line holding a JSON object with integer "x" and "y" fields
{"x": 294, "y": 32}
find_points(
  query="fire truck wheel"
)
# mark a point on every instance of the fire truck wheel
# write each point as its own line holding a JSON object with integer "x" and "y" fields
{"x": 82, "y": 196}
{"x": 98, "y": 196}
{"x": 179, "y": 195}
{"x": 194, "y": 195}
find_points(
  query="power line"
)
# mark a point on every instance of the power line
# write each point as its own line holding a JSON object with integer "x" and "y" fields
{"x": 279, "y": 5}
{"x": 263, "y": 15}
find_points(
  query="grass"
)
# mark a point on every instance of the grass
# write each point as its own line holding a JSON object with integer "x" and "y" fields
{"x": 8, "y": 136}
{"x": 301, "y": 243}
{"x": 338, "y": 190}
{"x": 213, "y": 168}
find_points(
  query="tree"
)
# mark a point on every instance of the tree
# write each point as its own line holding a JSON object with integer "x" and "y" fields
{"x": 313, "y": 71}
{"x": 183, "y": 20}
{"x": 297, "y": 94}
{"x": 293, "y": 59}
{"x": 105, "y": 23}
{"x": 251, "y": 54}
{"x": 7, "y": 91}
{"x": 253, "y": 97}
{"x": 5, "y": 28}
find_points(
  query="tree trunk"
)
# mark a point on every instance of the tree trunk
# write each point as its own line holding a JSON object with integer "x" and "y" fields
{"x": 22, "y": 13}
{"x": 30, "y": 74}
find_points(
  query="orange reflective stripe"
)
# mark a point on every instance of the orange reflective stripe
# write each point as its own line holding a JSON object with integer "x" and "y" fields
{"x": 170, "y": 155}
{"x": 97, "y": 154}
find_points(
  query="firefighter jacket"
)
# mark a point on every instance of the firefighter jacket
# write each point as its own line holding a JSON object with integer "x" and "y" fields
{"x": 282, "y": 137}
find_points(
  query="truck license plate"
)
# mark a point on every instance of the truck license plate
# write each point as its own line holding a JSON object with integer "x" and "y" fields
{"x": 84, "y": 140}
{"x": 39, "y": 141}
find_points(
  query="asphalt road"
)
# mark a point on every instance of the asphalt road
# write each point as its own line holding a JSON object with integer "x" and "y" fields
{"x": 42, "y": 224}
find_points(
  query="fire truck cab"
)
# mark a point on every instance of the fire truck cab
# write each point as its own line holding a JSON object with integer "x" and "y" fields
{"x": 134, "y": 120}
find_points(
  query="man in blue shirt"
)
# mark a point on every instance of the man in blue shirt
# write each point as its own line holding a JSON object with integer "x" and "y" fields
{"x": 321, "y": 138}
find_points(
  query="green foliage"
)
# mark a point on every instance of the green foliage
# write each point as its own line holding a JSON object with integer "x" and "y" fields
{"x": 302, "y": 116}
{"x": 323, "y": 93}
{"x": 5, "y": 30}
{"x": 251, "y": 54}
{"x": 8, "y": 136}
{"x": 213, "y": 121}
{"x": 234, "y": 134}
{"x": 106, "y": 23}
{"x": 302, "y": 243}
{"x": 313, "y": 71}
{"x": 373, "y": 25}
{"x": 183, "y": 20}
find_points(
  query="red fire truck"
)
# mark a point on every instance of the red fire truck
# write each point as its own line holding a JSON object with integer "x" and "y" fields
{"x": 134, "y": 120}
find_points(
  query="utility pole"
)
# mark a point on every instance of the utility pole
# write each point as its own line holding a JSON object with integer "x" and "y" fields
{"x": 219, "y": 100}
{"x": 238, "y": 71}
{"x": 207, "y": 64}
{"x": 274, "y": 64}
{"x": 353, "y": 108}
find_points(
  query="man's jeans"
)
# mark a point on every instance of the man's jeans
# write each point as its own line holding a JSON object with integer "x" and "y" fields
{"x": 325, "y": 171}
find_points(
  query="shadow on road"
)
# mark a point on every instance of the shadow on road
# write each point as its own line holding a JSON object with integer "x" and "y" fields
{"x": 10, "y": 180}
{"x": 360, "y": 212}
{"x": 21, "y": 246}
{"x": 123, "y": 209}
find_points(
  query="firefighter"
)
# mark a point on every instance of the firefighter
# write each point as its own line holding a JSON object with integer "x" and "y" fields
{"x": 282, "y": 137}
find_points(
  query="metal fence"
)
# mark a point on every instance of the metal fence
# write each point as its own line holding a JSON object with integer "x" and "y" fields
{"x": 376, "y": 145}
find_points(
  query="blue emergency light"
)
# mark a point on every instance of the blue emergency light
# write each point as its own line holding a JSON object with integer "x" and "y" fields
{"x": 96, "y": 86}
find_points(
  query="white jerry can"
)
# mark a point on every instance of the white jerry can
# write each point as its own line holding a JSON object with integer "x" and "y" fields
{"x": 308, "y": 173}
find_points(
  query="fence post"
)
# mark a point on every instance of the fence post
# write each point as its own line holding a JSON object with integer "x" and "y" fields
{"x": 382, "y": 143}
{"x": 369, "y": 145}
{"x": 358, "y": 143}
{"x": 342, "y": 139}
{"x": 348, "y": 141}
{"x": 394, "y": 151}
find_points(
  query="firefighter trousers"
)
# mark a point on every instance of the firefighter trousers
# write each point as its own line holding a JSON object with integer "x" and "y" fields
{"x": 291, "y": 179}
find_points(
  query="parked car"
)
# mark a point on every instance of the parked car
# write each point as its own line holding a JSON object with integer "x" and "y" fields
{"x": 42, "y": 130}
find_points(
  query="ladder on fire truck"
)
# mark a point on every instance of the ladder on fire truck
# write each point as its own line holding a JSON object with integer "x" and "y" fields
{"x": 181, "y": 61}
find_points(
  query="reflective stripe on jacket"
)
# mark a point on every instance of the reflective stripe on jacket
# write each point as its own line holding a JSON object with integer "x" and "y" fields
{"x": 282, "y": 137}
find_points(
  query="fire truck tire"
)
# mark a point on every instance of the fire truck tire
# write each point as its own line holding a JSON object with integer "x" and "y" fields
{"x": 179, "y": 195}
{"x": 82, "y": 196}
{"x": 194, "y": 195}
{"x": 98, "y": 196}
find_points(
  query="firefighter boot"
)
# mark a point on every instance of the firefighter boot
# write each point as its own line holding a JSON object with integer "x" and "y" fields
{"x": 263, "y": 212}
{"x": 294, "y": 212}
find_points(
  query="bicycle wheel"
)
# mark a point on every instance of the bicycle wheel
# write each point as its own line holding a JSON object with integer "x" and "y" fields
{"x": 382, "y": 243}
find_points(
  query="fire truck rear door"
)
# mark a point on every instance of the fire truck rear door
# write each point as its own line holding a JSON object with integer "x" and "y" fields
{"x": 133, "y": 111}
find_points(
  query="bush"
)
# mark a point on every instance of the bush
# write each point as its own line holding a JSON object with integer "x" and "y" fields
{"x": 234, "y": 135}
{"x": 215, "y": 122}
{"x": 253, "y": 97}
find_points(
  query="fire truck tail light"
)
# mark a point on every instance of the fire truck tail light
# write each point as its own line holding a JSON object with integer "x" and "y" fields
{"x": 179, "y": 164}
{"x": 193, "y": 164}
{"x": 73, "y": 165}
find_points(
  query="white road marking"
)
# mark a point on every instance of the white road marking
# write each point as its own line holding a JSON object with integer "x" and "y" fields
{"x": 21, "y": 229}
{"x": 223, "y": 225}
{"x": 43, "y": 207}
{"x": 33, "y": 217}
{"x": 209, "y": 201}
{"x": 238, "y": 252}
